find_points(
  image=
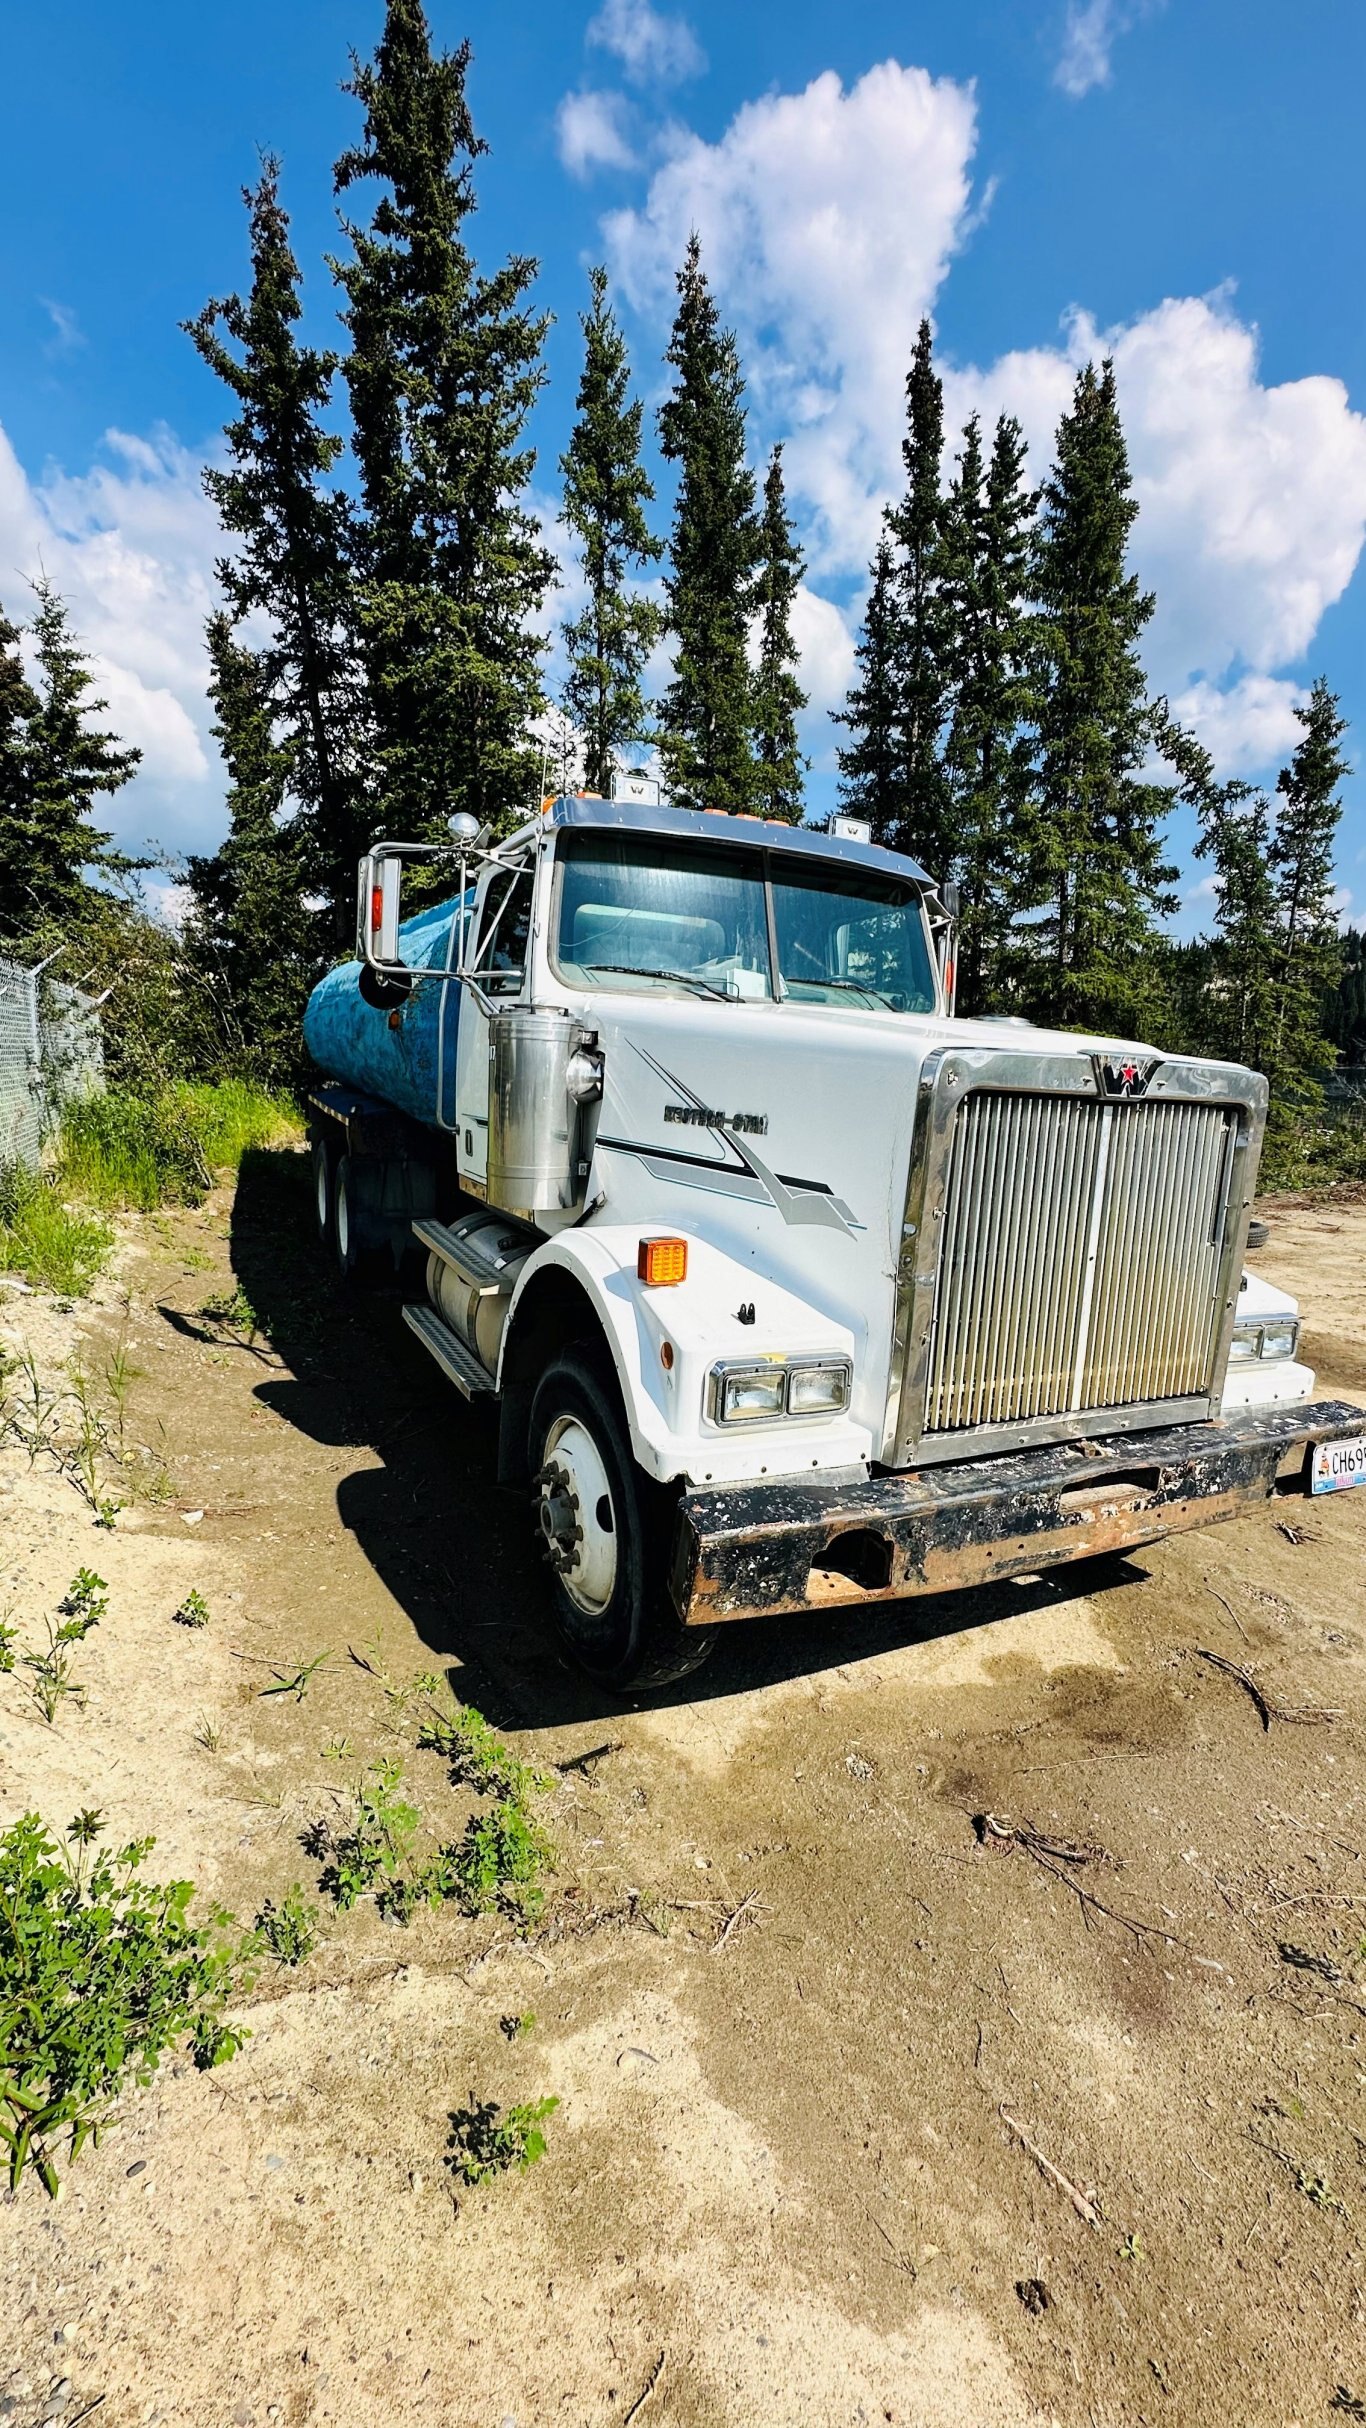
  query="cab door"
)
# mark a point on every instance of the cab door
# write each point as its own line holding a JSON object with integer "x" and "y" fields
{"x": 497, "y": 963}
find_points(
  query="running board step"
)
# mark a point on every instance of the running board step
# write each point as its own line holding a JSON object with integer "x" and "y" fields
{"x": 457, "y": 1363}
{"x": 487, "y": 1274}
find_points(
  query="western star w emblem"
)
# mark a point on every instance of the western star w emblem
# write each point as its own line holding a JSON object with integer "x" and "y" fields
{"x": 1121, "y": 1076}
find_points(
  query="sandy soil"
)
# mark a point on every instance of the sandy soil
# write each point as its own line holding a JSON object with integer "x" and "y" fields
{"x": 790, "y": 2179}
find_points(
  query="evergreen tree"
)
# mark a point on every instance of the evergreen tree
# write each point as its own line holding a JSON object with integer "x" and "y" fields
{"x": 254, "y": 946}
{"x": 1097, "y": 866}
{"x": 870, "y": 768}
{"x": 606, "y": 492}
{"x": 778, "y": 696}
{"x": 1308, "y": 952}
{"x": 987, "y": 760}
{"x": 445, "y": 366}
{"x": 706, "y": 742}
{"x": 1227, "y": 1005}
{"x": 919, "y": 814}
{"x": 53, "y": 766}
{"x": 291, "y": 563}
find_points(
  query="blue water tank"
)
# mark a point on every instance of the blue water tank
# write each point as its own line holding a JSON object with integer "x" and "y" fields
{"x": 405, "y": 1059}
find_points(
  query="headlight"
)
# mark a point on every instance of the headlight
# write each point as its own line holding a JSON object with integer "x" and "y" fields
{"x": 1278, "y": 1338}
{"x": 818, "y": 1390}
{"x": 744, "y": 1394}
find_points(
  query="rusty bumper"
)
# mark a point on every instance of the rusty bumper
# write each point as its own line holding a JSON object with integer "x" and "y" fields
{"x": 749, "y": 1549}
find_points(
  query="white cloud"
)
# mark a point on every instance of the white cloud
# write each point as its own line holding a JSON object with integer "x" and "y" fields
{"x": 825, "y": 650}
{"x": 67, "y": 331}
{"x": 1252, "y": 498}
{"x": 652, "y": 48}
{"x": 1089, "y": 35}
{"x": 1248, "y": 729}
{"x": 591, "y": 133}
{"x": 828, "y": 219}
{"x": 130, "y": 545}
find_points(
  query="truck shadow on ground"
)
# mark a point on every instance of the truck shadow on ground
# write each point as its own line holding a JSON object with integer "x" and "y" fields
{"x": 454, "y": 1549}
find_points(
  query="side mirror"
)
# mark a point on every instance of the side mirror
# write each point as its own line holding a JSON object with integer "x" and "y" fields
{"x": 378, "y": 903}
{"x": 466, "y": 830}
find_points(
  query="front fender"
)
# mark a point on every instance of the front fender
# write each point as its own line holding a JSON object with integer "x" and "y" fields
{"x": 664, "y": 1342}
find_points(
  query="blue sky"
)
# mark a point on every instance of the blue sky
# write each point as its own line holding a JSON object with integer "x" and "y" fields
{"x": 1179, "y": 181}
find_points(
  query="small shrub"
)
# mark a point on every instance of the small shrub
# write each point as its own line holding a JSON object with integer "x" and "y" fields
{"x": 289, "y": 1930}
{"x": 99, "y": 1975}
{"x": 485, "y": 2140}
{"x": 193, "y": 1611}
{"x": 374, "y": 1851}
{"x": 9, "y": 1637}
{"x": 86, "y": 1599}
{"x": 234, "y": 1308}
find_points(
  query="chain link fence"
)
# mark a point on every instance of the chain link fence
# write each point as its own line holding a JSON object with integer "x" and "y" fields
{"x": 51, "y": 1048}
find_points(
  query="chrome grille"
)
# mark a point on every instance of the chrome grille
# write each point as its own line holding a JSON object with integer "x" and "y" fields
{"x": 1080, "y": 1265}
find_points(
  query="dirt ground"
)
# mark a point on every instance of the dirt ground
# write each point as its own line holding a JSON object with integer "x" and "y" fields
{"x": 861, "y": 2120}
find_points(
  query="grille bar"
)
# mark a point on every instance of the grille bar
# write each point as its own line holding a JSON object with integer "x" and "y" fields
{"x": 1081, "y": 1257}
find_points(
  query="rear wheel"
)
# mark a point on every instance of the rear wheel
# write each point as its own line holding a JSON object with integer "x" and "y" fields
{"x": 603, "y": 1532}
{"x": 322, "y": 1191}
{"x": 354, "y": 1252}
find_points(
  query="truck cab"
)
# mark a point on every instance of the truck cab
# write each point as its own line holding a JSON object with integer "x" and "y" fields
{"x": 791, "y": 1288}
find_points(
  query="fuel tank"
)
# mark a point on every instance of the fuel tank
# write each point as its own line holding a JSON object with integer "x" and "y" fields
{"x": 406, "y": 1056}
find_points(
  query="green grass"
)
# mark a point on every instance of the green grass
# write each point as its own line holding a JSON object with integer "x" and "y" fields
{"x": 121, "y": 1151}
{"x": 46, "y": 1240}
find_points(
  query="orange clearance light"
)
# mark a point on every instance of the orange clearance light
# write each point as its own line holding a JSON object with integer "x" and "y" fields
{"x": 660, "y": 1262}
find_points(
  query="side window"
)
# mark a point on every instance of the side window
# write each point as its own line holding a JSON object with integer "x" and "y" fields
{"x": 504, "y": 930}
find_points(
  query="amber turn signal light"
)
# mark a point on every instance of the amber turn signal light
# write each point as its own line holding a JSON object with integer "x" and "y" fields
{"x": 662, "y": 1261}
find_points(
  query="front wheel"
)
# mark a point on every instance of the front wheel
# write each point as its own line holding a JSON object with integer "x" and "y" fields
{"x": 603, "y": 1538}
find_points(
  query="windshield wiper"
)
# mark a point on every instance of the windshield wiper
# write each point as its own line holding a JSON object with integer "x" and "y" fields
{"x": 627, "y": 969}
{"x": 848, "y": 986}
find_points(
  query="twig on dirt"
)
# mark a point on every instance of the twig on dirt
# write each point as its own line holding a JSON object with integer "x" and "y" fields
{"x": 1228, "y": 1606}
{"x": 745, "y": 1911}
{"x": 85, "y": 2414}
{"x": 1054, "y": 1855}
{"x": 1302, "y": 1715}
{"x": 1296, "y": 1534}
{"x": 900, "y": 2259}
{"x": 646, "y": 2391}
{"x": 594, "y": 1755}
{"x": 1086, "y": 2209}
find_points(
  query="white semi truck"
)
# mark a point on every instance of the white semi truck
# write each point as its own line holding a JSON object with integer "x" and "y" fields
{"x": 790, "y": 1289}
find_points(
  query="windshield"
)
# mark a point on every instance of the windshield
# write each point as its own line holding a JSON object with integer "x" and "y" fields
{"x": 644, "y": 912}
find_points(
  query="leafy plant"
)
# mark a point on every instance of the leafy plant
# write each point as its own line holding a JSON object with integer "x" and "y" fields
{"x": 375, "y": 1849}
{"x": 499, "y": 1862}
{"x": 53, "y": 1680}
{"x": 233, "y": 1308}
{"x": 86, "y": 1599}
{"x": 289, "y": 1930}
{"x": 193, "y": 1611}
{"x": 100, "y": 1973}
{"x": 486, "y": 2140}
{"x": 477, "y": 1757}
{"x": 516, "y": 2027}
{"x": 9, "y": 1637}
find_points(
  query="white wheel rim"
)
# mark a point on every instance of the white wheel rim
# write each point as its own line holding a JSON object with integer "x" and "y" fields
{"x": 320, "y": 1179}
{"x": 577, "y": 1515}
{"x": 343, "y": 1219}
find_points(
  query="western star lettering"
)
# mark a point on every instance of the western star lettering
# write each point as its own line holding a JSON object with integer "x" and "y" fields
{"x": 706, "y": 1117}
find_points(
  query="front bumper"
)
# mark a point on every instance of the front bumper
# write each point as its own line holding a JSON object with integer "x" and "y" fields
{"x": 750, "y": 1549}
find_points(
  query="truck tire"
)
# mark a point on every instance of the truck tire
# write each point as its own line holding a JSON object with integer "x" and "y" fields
{"x": 354, "y": 1254}
{"x": 602, "y": 1532}
{"x": 322, "y": 1191}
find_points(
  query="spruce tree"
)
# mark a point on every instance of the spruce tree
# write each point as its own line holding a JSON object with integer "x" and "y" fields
{"x": 54, "y": 765}
{"x": 870, "y": 766}
{"x": 1096, "y": 853}
{"x": 291, "y": 563}
{"x": 987, "y": 764}
{"x": 445, "y": 366}
{"x": 606, "y": 491}
{"x": 1225, "y": 997}
{"x": 919, "y": 813}
{"x": 1308, "y": 950}
{"x": 252, "y": 944}
{"x": 778, "y": 696}
{"x": 708, "y": 713}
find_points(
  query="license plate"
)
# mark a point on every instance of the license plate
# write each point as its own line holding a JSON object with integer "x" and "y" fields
{"x": 1338, "y": 1465}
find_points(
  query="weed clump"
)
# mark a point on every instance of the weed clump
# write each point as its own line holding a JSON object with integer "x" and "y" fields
{"x": 45, "y": 1239}
{"x": 486, "y": 2140}
{"x": 288, "y": 1930}
{"x": 193, "y": 1611}
{"x": 101, "y": 1971}
{"x": 477, "y": 1757}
